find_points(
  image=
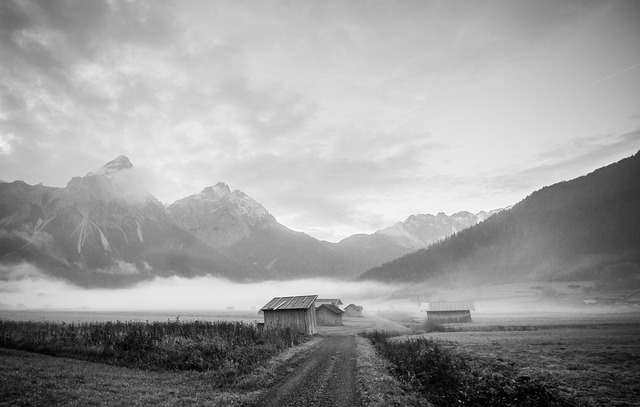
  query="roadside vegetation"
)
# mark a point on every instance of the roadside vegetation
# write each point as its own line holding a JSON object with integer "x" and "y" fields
{"x": 446, "y": 377}
{"x": 225, "y": 350}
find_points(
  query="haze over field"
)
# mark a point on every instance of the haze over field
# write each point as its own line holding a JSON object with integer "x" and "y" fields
{"x": 27, "y": 286}
{"x": 339, "y": 117}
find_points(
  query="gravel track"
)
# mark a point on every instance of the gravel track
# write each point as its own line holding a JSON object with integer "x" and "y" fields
{"x": 325, "y": 376}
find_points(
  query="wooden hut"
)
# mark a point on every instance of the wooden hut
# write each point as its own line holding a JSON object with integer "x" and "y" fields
{"x": 329, "y": 315}
{"x": 353, "y": 310}
{"x": 448, "y": 311}
{"x": 297, "y": 313}
{"x": 335, "y": 301}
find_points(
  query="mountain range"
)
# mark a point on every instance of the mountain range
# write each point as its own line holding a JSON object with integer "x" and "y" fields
{"x": 106, "y": 229}
{"x": 416, "y": 232}
{"x": 241, "y": 228}
{"x": 583, "y": 229}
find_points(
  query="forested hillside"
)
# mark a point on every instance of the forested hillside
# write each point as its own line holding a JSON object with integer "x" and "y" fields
{"x": 581, "y": 228}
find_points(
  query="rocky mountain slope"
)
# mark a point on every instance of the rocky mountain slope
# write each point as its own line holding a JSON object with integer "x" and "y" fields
{"x": 107, "y": 229}
{"x": 103, "y": 229}
{"x": 416, "y": 232}
{"x": 586, "y": 228}
{"x": 241, "y": 228}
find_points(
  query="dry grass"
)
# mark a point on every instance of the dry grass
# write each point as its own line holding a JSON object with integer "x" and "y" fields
{"x": 598, "y": 363}
{"x": 378, "y": 388}
{"x": 30, "y": 379}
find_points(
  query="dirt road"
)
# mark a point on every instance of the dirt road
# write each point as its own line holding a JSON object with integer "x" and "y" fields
{"x": 325, "y": 376}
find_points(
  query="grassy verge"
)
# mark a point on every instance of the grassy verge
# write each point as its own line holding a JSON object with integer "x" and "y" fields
{"x": 378, "y": 388}
{"x": 445, "y": 377}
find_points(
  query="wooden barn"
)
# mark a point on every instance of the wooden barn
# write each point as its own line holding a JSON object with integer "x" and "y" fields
{"x": 335, "y": 301}
{"x": 353, "y": 310}
{"x": 448, "y": 311}
{"x": 297, "y": 313}
{"x": 329, "y": 315}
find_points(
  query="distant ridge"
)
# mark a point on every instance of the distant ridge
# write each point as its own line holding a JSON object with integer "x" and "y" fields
{"x": 416, "y": 232}
{"x": 578, "y": 229}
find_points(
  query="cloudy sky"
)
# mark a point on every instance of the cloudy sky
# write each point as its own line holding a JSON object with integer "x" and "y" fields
{"x": 338, "y": 116}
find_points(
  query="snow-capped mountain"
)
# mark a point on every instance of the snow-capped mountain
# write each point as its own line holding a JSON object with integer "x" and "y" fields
{"x": 241, "y": 228}
{"x": 220, "y": 217}
{"x": 103, "y": 229}
{"x": 416, "y": 232}
{"x": 107, "y": 229}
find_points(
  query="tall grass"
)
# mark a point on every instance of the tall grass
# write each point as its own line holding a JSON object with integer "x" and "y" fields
{"x": 224, "y": 349}
{"x": 448, "y": 378}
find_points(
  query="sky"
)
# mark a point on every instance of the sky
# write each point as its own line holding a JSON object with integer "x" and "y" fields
{"x": 339, "y": 117}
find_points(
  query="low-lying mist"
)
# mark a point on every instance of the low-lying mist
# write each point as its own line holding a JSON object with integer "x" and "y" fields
{"x": 25, "y": 286}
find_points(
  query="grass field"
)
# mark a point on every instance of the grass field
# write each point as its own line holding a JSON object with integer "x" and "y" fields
{"x": 153, "y": 363}
{"x": 593, "y": 357}
{"x": 596, "y": 359}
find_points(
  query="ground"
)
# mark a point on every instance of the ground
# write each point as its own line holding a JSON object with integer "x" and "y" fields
{"x": 595, "y": 357}
{"x": 335, "y": 368}
{"x": 324, "y": 377}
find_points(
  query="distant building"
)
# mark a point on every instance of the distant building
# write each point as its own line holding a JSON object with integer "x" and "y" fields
{"x": 448, "y": 311}
{"x": 329, "y": 315}
{"x": 353, "y": 310}
{"x": 297, "y": 313}
{"x": 335, "y": 301}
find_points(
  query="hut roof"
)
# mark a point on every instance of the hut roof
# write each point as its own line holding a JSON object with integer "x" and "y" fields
{"x": 354, "y": 306}
{"x": 331, "y": 308}
{"x": 448, "y": 306}
{"x": 334, "y": 301}
{"x": 296, "y": 302}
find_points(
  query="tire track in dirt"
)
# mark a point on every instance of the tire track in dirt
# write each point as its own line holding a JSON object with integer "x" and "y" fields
{"x": 325, "y": 377}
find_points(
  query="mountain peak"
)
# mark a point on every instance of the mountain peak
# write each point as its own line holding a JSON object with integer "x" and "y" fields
{"x": 220, "y": 189}
{"x": 120, "y": 163}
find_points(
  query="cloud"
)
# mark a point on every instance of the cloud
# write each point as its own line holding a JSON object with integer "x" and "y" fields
{"x": 357, "y": 110}
{"x": 574, "y": 159}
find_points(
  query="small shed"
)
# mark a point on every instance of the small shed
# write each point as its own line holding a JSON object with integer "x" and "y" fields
{"x": 335, "y": 301}
{"x": 329, "y": 315}
{"x": 297, "y": 313}
{"x": 448, "y": 311}
{"x": 353, "y": 310}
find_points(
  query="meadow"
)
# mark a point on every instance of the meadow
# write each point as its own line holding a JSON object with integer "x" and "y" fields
{"x": 562, "y": 359}
{"x": 225, "y": 349}
{"x": 580, "y": 359}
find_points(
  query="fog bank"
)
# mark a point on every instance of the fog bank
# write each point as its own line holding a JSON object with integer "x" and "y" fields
{"x": 26, "y": 287}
